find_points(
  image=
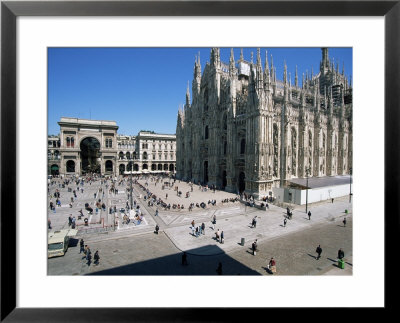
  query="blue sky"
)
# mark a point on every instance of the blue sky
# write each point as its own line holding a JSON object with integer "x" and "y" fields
{"x": 142, "y": 88}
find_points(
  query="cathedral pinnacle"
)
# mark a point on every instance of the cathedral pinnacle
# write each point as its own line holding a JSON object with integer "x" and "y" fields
{"x": 187, "y": 95}
{"x": 296, "y": 78}
{"x": 285, "y": 73}
{"x": 241, "y": 54}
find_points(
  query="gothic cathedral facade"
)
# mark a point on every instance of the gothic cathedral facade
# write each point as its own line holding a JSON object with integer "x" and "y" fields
{"x": 245, "y": 130}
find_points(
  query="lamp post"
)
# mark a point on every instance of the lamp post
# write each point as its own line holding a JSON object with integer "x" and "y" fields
{"x": 131, "y": 164}
{"x": 350, "y": 186}
{"x": 307, "y": 171}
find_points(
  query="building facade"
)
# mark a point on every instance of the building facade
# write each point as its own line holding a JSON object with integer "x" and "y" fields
{"x": 86, "y": 146}
{"x": 245, "y": 130}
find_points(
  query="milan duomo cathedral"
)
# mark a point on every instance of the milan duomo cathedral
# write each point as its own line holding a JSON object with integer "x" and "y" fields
{"x": 247, "y": 131}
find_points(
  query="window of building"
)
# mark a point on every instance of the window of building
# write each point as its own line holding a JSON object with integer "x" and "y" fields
{"x": 242, "y": 146}
{"x": 68, "y": 142}
{"x": 72, "y": 141}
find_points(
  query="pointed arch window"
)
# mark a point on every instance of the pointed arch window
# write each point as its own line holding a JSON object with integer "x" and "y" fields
{"x": 242, "y": 146}
{"x": 72, "y": 141}
{"x": 68, "y": 142}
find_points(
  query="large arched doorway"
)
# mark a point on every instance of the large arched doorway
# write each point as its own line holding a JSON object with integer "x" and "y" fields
{"x": 205, "y": 172}
{"x": 224, "y": 181}
{"x": 121, "y": 169}
{"x": 70, "y": 166}
{"x": 109, "y": 166}
{"x": 90, "y": 152}
{"x": 241, "y": 183}
{"x": 171, "y": 167}
{"x": 54, "y": 170}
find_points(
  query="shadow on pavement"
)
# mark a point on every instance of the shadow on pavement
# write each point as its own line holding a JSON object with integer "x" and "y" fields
{"x": 312, "y": 256}
{"x": 172, "y": 265}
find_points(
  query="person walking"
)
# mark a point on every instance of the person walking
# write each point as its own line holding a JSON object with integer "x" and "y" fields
{"x": 156, "y": 212}
{"x": 82, "y": 246}
{"x": 332, "y": 200}
{"x": 219, "y": 269}
{"x": 88, "y": 256}
{"x": 309, "y": 215}
{"x": 222, "y": 237}
{"x": 272, "y": 265}
{"x": 203, "y": 228}
{"x": 344, "y": 222}
{"x": 184, "y": 259}
{"x": 156, "y": 229}
{"x": 96, "y": 257}
{"x": 284, "y": 222}
{"x": 217, "y": 235}
{"x": 340, "y": 253}
{"x": 254, "y": 222}
{"x": 254, "y": 247}
{"x": 49, "y": 224}
{"x": 318, "y": 251}
{"x": 70, "y": 220}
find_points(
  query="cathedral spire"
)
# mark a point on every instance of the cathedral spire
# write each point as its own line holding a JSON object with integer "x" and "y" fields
{"x": 241, "y": 54}
{"x": 251, "y": 57}
{"x": 266, "y": 70}
{"x": 285, "y": 73}
{"x": 231, "y": 63}
{"x": 187, "y": 95}
{"x": 296, "y": 78}
{"x": 258, "y": 58}
{"x": 290, "y": 79}
{"x": 260, "y": 81}
{"x": 302, "y": 82}
{"x": 343, "y": 69}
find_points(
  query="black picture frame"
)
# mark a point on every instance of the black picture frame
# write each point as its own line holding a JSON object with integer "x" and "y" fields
{"x": 10, "y": 10}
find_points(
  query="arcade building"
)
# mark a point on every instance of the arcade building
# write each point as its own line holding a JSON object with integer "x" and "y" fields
{"x": 94, "y": 146}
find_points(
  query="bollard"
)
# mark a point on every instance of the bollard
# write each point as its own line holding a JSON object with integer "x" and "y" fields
{"x": 242, "y": 242}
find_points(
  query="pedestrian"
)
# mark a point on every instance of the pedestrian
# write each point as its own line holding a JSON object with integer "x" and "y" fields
{"x": 344, "y": 222}
{"x": 254, "y": 247}
{"x": 156, "y": 229}
{"x": 222, "y": 236}
{"x": 217, "y": 235}
{"x": 49, "y": 224}
{"x": 156, "y": 212}
{"x": 70, "y": 220}
{"x": 255, "y": 222}
{"x": 166, "y": 196}
{"x": 284, "y": 222}
{"x": 96, "y": 257}
{"x": 203, "y": 228}
{"x": 309, "y": 215}
{"x": 272, "y": 265}
{"x": 318, "y": 251}
{"x": 340, "y": 253}
{"x": 192, "y": 223}
{"x": 73, "y": 222}
{"x": 193, "y": 230}
{"x": 184, "y": 259}
{"x": 82, "y": 246}
{"x": 332, "y": 200}
{"x": 219, "y": 269}
{"x": 89, "y": 258}
{"x": 197, "y": 232}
